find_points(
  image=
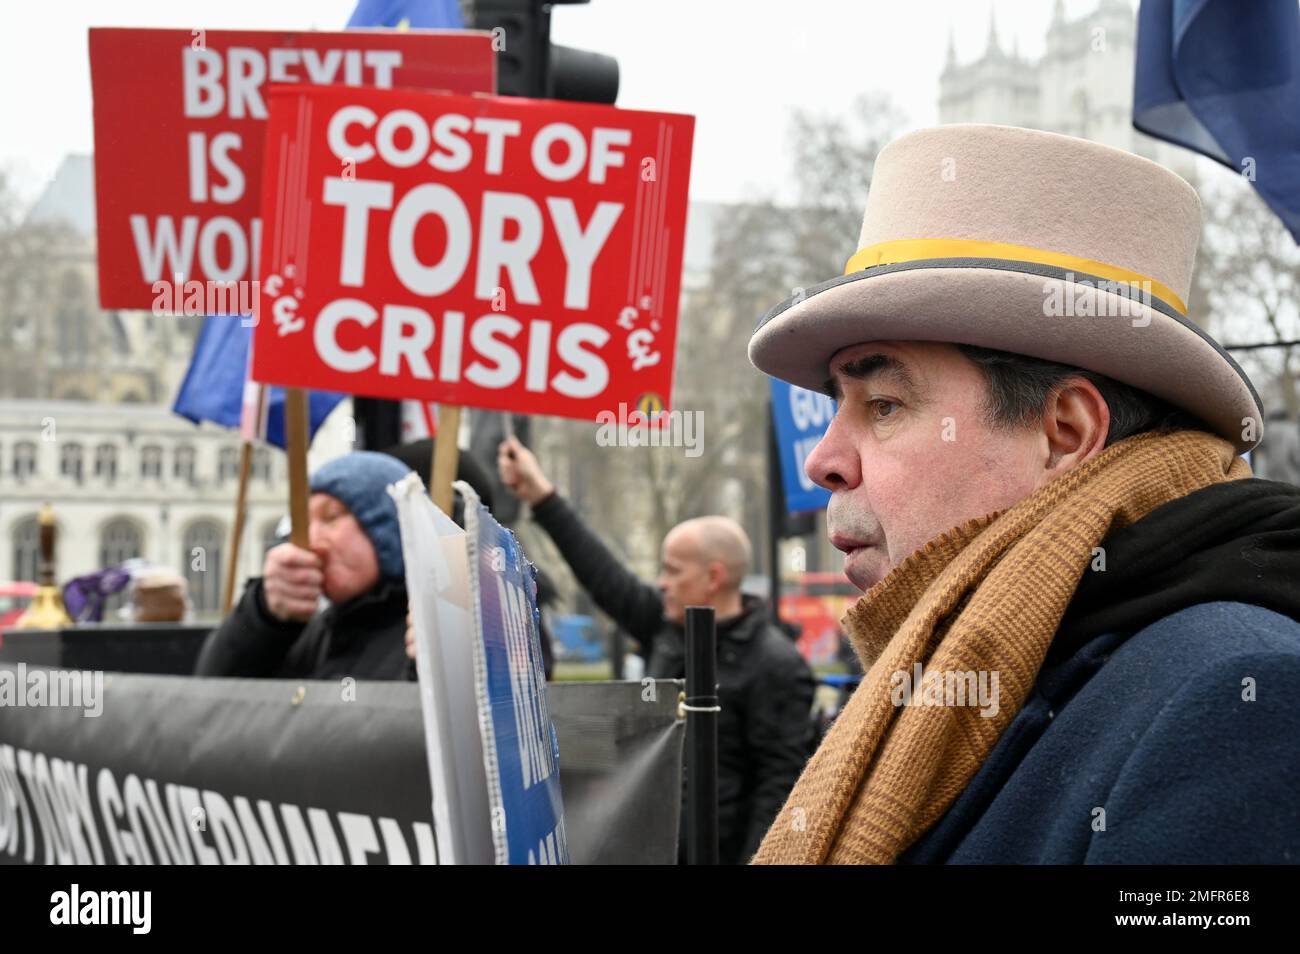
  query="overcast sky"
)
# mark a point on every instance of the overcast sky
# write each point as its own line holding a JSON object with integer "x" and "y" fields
{"x": 738, "y": 66}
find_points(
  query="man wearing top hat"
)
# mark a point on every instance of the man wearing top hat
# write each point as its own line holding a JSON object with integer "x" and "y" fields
{"x": 1079, "y": 621}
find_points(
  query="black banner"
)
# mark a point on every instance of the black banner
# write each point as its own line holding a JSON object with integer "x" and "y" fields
{"x": 181, "y": 770}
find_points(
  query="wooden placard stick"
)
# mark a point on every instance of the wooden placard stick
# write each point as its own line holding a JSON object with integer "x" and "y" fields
{"x": 237, "y": 528}
{"x": 296, "y": 430}
{"x": 446, "y": 452}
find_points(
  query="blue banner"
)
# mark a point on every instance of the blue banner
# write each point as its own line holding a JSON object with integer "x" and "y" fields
{"x": 801, "y": 417}
{"x": 524, "y": 788}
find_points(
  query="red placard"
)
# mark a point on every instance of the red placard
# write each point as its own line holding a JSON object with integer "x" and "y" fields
{"x": 180, "y": 117}
{"x": 494, "y": 252}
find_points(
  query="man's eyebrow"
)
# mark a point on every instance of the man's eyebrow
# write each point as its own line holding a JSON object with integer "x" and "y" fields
{"x": 869, "y": 366}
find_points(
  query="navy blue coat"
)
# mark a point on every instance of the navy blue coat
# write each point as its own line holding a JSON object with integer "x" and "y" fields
{"x": 1160, "y": 739}
{"x": 1164, "y": 726}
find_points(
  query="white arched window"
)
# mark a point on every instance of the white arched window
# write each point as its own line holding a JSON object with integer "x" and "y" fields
{"x": 26, "y": 549}
{"x": 183, "y": 463}
{"x": 202, "y": 549}
{"x": 119, "y": 541}
{"x": 227, "y": 464}
{"x": 70, "y": 461}
{"x": 106, "y": 462}
{"x": 24, "y": 459}
{"x": 151, "y": 461}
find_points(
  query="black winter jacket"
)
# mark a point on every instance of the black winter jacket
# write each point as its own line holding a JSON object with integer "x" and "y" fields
{"x": 765, "y": 688}
{"x": 363, "y": 638}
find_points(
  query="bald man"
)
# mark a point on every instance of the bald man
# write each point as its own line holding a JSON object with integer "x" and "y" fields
{"x": 765, "y": 688}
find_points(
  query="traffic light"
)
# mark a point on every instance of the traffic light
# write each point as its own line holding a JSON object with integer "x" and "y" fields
{"x": 529, "y": 64}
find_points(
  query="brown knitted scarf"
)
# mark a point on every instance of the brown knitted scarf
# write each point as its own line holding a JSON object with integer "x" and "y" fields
{"x": 984, "y": 597}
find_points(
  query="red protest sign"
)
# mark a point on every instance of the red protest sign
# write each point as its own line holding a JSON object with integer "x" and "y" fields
{"x": 493, "y": 252}
{"x": 180, "y": 117}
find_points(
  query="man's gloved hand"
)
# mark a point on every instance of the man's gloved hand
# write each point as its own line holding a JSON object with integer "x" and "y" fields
{"x": 291, "y": 582}
{"x": 521, "y": 473}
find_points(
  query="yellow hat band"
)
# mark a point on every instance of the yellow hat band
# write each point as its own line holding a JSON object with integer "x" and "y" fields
{"x": 919, "y": 250}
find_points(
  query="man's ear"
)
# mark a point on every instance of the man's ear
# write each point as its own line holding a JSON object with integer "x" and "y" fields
{"x": 717, "y": 576}
{"x": 1076, "y": 422}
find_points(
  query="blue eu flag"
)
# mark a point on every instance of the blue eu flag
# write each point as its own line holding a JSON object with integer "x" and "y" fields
{"x": 415, "y": 14}
{"x": 1222, "y": 77}
{"x": 213, "y": 389}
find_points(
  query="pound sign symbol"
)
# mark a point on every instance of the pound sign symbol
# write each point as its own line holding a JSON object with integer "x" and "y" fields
{"x": 638, "y": 349}
{"x": 285, "y": 310}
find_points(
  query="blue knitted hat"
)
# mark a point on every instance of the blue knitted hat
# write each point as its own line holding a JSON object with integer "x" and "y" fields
{"x": 360, "y": 480}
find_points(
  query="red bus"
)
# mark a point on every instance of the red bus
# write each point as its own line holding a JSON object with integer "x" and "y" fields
{"x": 14, "y": 598}
{"x": 816, "y": 603}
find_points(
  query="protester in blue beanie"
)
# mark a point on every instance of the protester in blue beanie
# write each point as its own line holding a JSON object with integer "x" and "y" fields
{"x": 354, "y": 560}
{"x": 358, "y": 481}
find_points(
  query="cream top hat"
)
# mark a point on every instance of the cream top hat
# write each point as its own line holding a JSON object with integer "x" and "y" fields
{"x": 1025, "y": 241}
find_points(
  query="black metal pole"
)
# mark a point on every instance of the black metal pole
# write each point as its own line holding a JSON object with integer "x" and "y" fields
{"x": 701, "y": 737}
{"x": 378, "y": 422}
{"x": 617, "y": 650}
